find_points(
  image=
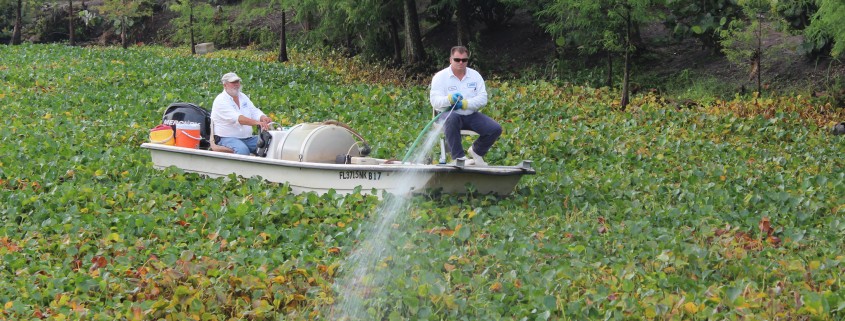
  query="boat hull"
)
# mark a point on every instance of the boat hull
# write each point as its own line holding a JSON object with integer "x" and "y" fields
{"x": 343, "y": 178}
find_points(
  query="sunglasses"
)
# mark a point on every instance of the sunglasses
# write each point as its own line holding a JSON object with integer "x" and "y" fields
{"x": 460, "y": 59}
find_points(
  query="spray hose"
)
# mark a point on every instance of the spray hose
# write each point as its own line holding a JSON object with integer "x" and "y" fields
{"x": 416, "y": 141}
{"x": 425, "y": 130}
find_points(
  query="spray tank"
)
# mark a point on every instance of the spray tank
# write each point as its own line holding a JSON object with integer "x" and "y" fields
{"x": 326, "y": 142}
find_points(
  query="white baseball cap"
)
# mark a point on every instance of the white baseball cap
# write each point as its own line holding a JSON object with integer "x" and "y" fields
{"x": 230, "y": 77}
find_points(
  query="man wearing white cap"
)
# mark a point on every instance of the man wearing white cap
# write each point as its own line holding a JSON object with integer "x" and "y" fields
{"x": 233, "y": 115}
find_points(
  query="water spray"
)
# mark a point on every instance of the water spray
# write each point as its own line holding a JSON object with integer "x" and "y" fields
{"x": 425, "y": 130}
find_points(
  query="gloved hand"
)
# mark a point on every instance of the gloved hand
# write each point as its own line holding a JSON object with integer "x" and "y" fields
{"x": 458, "y": 101}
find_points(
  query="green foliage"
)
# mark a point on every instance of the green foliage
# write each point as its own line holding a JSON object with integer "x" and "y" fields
{"x": 441, "y": 11}
{"x": 743, "y": 40}
{"x": 827, "y": 24}
{"x": 594, "y": 26}
{"x": 492, "y": 13}
{"x": 703, "y": 20}
{"x": 370, "y": 20}
{"x": 210, "y": 24}
{"x": 123, "y": 14}
{"x": 739, "y": 40}
{"x": 797, "y": 12}
{"x": 729, "y": 211}
{"x": 7, "y": 18}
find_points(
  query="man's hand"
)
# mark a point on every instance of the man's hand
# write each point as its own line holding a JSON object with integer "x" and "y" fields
{"x": 457, "y": 100}
{"x": 264, "y": 122}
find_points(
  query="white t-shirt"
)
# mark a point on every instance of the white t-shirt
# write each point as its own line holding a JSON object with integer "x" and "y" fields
{"x": 224, "y": 114}
{"x": 445, "y": 83}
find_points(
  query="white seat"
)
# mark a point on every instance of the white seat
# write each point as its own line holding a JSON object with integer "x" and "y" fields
{"x": 464, "y": 132}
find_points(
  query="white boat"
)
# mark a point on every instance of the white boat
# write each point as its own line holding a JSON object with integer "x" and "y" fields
{"x": 308, "y": 156}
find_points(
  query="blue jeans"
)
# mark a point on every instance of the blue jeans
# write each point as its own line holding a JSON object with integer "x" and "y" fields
{"x": 488, "y": 132}
{"x": 242, "y": 146}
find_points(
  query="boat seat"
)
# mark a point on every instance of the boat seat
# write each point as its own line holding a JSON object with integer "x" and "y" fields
{"x": 213, "y": 145}
{"x": 464, "y": 132}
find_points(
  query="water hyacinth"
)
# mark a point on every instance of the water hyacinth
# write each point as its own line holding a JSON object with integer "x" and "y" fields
{"x": 729, "y": 210}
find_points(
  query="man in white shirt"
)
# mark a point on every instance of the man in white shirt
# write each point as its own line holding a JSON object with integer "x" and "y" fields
{"x": 459, "y": 92}
{"x": 233, "y": 115}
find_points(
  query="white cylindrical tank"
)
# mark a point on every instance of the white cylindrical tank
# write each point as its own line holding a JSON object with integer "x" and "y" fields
{"x": 313, "y": 142}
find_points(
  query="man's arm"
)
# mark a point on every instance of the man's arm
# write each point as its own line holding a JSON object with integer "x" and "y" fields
{"x": 256, "y": 116}
{"x": 243, "y": 120}
{"x": 438, "y": 97}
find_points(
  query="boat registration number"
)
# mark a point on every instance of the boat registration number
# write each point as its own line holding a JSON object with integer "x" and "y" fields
{"x": 368, "y": 175}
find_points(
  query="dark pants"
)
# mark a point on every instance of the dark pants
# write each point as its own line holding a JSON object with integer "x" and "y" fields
{"x": 488, "y": 132}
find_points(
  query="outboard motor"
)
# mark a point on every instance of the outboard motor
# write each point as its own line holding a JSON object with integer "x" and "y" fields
{"x": 188, "y": 113}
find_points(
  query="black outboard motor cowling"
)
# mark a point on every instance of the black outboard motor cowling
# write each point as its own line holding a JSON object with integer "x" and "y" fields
{"x": 187, "y": 113}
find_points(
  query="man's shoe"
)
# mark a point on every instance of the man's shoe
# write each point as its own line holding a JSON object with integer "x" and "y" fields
{"x": 467, "y": 162}
{"x": 478, "y": 160}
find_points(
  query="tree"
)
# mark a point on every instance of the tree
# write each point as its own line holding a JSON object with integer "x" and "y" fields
{"x": 742, "y": 41}
{"x": 186, "y": 20}
{"x": 326, "y": 22}
{"x": 283, "y": 40}
{"x": 394, "y": 40}
{"x": 413, "y": 38}
{"x": 274, "y": 8}
{"x": 702, "y": 19}
{"x": 827, "y": 23}
{"x": 123, "y": 13}
{"x": 193, "y": 43}
{"x": 495, "y": 13}
{"x": 463, "y": 21}
{"x": 304, "y": 13}
{"x": 603, "y": 25}
{"x": 70, "y": 22}
{"x": 377, "y": 25}
{"x": 16, "y": 32}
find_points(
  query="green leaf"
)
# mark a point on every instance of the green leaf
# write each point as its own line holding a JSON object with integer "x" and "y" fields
{"x": 560, "y": 41}
{"x": 464, "y": 233}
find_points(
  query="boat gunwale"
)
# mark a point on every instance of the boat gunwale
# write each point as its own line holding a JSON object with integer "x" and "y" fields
{"x": 486, "y": 170}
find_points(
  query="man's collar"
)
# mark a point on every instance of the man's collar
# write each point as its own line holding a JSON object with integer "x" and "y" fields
{"x": 230, "y": 96}
{"x": 452, "y": 72}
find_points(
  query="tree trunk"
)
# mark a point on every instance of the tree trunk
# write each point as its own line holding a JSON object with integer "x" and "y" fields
{"x": 626, "y": 74}
{"x": 191, "y": 26}
{"x": 397, "y": 44}
{"x": 307, "y": 22}
{"x": 759, "y": 56}
{"x": 123, "y": 42}
{"x": 70, "y": 22}
{"x": 416, "y": 54}
{"x": 609, "y": 81}
{"x": 283, "y": 40}
{"x": 16, "y": 33}
{"x": 462, "y": 17}
{"x": 350, "y": 50}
